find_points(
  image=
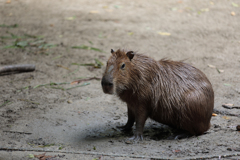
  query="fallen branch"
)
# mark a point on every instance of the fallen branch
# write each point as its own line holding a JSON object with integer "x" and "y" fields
{"x": 87, "y": 79}
{"x": 17, "y": 132}
{"x": 229, "y": 107}
{"x": 4, "y": 103}
{"x": 225, "y": 113}
{"x": 17, "y": 68}
{"x": 232, "y": 154}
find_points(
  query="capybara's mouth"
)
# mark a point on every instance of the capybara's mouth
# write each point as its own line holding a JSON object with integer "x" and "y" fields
{"x": 108, "y": 89}
{"x": 107, "y": 85}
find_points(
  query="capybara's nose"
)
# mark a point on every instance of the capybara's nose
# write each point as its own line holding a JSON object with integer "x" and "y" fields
{"x": 106, "y": 82}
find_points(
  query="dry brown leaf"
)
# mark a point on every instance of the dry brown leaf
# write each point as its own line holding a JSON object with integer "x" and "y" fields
{"x": 82, "y": 80}
{"x": 221, "y": 70}
{"x": 94, "y": 12}
{"x": 63, "y": 67}
{"x": 43, "y": 156}
{"x": 211, "y": 66}
{"x": 164, "y": 33}
{"x": 233, "y": 13}
{"x": 225, "y": 117}
{"x": 214, "y": 114}
{"x": 108, "y": 10}
{"x": 74, "y": 82}
{"x": 8, "y": 1}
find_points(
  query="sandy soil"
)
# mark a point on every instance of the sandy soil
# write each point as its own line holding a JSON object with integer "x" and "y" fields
{"x": 80, "y": 123}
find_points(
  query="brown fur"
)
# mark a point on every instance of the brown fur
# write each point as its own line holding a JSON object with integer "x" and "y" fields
{"x": 169, "y": 92}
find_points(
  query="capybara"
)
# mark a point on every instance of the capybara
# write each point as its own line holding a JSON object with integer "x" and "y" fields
{"x": 170, "y": 92}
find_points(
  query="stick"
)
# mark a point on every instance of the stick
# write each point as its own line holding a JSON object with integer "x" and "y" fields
{"x": 17, "y": 132}
{"x": 224, "y": 113}
{"x": 228, "y": 107}
{"x": 232, "y": 154}
{"x": 4, "y": 103}
{"x": 87, "y": 79}
{"x": 17, "y": 68}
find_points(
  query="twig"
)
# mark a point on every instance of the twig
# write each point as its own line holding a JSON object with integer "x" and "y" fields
{"x": 87, "y": 79}
{"x": 51, "y": 83}
{"x": 229, "y": 107}
{"x": 26, "y": 100}
{"x": 232, "y": 154}
{"x": 4, "y": 103}
{"x": 225, "y": 113}
{"x": 17, "y": 132}
{"x": 63, "y": 67}
{"x": 84, "y": 84}
{"x": 17, "y": 68}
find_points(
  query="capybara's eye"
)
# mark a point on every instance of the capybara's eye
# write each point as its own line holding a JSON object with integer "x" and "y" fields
{"x": 123, "y": 66}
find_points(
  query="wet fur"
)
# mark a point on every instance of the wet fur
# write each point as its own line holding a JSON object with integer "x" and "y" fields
{"x": 169, "y": 92}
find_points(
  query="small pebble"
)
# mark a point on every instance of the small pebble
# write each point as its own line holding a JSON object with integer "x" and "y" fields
{"x": 128, "y": 142}
{"x": 238, "y": 127}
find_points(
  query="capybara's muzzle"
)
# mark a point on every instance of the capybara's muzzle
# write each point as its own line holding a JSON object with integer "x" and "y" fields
{"x": 107, "y": 85}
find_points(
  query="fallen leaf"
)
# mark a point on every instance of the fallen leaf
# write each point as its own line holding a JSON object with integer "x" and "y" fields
{"x": 164, "y": 33}
{"x": 71, "y": 18}
{"x": 234, "y": 4}
{"x": 74, "y": 82}
{"x": 176, "y": 151}
{"x": 31, "y": 156}
{"x": 43, "y": 156}
{"x": 229, "y": 104}
{"x": 130, "y": 33}
{"x": 204, "y": 9}
{"x": 211, "y": 66}
{"x": 214, "y": 114}
{"x": 211, "y": 3}
{"x": 117, "y": 6}
{"x": 233, "y": 13}
{"x": 8, "y": 1}
{"x": 225, "y": 117}
{"x": 108, "y": 10}
{"x": 220, "y": 70}
{"x": 58, "y": 65}
{"x": 94, "y": 12}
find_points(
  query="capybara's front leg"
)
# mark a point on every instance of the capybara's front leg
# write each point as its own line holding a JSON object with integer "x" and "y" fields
{"x": 130, "y": 122}
{"x": 141, "y": 117}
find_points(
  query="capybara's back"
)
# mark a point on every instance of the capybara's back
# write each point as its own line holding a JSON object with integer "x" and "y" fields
{"x": 169, "y": 92}
{"x": 185, "y": 97}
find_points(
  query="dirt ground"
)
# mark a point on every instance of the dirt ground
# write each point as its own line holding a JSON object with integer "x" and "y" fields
{"x": 80, "y": 123}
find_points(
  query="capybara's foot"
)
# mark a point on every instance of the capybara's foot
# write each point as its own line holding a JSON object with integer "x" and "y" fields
{"x": 137, "y": 137}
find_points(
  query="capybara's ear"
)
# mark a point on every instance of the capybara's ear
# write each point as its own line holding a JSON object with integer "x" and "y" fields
{"x": 130, "y": 55}
{"x": 112, "y": 51}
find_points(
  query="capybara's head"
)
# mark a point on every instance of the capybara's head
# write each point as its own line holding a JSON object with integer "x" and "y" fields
{"x": 117, "y": 73}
